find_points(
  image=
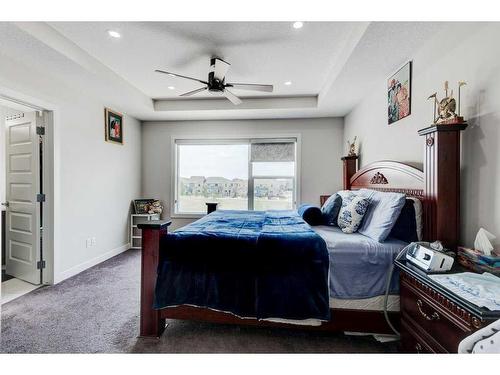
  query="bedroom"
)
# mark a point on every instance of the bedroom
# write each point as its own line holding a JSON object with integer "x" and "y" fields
{"x": 245, "y": 118}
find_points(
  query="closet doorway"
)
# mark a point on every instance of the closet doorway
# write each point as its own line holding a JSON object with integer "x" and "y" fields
{"x": 24, "y": 180}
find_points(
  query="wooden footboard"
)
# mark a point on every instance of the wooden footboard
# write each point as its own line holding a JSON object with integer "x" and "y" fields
{"x": 151, "y": 325}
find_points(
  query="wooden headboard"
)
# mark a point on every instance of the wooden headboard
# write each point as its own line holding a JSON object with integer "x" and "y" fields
{"x": 438, "y": 186}
{"x": 390, "y": 176}
{"x": 387, "y": 176}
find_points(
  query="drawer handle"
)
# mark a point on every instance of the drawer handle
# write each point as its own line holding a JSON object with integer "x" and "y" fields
{"x": 433, "y": 316}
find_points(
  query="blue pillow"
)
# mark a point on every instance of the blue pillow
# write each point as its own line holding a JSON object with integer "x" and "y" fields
{"x": 382, "y": 214}
{"x": 405, "y": 228}
{"x": 310, "y": 214}
{"x": 330, "y": 209}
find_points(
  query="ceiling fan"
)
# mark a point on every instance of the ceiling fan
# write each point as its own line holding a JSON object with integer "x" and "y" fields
{"x": 217, "y": 82}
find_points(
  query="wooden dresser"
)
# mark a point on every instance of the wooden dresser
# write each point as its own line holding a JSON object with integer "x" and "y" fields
{"x": 433, "y": 319}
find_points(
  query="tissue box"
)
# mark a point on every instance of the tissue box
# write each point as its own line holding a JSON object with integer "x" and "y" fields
{"x": 478, "y": 262}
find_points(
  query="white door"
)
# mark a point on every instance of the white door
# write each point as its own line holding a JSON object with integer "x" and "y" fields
{"x": 22, "y": 232}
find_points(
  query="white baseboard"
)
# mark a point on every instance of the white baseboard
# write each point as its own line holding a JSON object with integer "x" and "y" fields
{"x": 90, "y": 263}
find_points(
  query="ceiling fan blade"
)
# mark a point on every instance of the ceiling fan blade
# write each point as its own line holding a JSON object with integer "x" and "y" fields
{"x": 232, "y": 98}
{"x": 251, "y": 86}
{"x": 220, "y": 69}
{"x": 178, "y": 75}
{"x": 189, "y": 93}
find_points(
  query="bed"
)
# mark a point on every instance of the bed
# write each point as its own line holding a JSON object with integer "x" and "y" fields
{"x": 359, "y": 311}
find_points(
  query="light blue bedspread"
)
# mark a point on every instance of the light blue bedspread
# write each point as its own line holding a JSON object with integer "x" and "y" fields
{"x": 359, "y": 265}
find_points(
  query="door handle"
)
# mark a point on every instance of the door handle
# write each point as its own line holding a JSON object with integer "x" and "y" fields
{"x": 433, "y": 316}
{"x": 6, "y": 204}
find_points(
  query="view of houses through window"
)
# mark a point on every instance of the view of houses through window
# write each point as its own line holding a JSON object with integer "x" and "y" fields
{"x": 231, "y": 172}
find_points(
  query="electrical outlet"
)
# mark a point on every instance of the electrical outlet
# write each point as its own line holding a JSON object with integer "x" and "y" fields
{"x": 88, "y": 242}
{"x": 93, "y": 241}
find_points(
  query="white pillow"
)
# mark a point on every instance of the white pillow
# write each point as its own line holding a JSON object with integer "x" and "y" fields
{"x": 352, "y": 212}
{"x": 383, "y": 213}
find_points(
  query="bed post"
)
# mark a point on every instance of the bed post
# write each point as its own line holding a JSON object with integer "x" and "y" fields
{"x": 442, "y": 183}
{"x": 350, "y": 167}
{"x": 151, "y": 324}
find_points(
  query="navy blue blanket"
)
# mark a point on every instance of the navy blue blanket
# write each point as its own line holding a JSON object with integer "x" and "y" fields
{"x": 251, "y": 263}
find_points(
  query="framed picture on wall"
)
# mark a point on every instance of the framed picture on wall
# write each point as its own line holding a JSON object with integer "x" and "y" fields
{"x": 399, "y": 94}
{"x": 113, "y": 126}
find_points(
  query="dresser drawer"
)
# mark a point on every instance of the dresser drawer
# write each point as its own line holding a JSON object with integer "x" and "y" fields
{"x": 431, "y": 318}
{"x": 412, "y": 342}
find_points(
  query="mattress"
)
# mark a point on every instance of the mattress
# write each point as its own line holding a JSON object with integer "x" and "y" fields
{"x": 348, "y": 254}
{"x": 359, "y": 266}
{"x": 373, "y": 304}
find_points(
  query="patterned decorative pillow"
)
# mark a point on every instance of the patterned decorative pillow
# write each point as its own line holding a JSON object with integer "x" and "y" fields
{"x": 351, "y": 213}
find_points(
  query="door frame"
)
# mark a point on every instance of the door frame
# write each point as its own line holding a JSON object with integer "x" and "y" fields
{"x": 48, "y": 175}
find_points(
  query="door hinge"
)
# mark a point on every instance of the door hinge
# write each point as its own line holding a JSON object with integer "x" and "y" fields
{"x": 40, "y": 264}
{"x": 40, "y": 130}
{"x": 40, "y": 197}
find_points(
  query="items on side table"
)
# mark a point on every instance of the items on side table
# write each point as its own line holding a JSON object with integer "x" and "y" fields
{"x": 483, "y": 290}
{"x": 478, "y": 262}
{"x": 147, "y": 206}
{"x": 484, "y": 257}
{"x": 144, "y": 210}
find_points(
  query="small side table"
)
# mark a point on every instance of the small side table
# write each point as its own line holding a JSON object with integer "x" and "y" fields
{"x": 135, "y": 232}
{"x": 211, "y": 207}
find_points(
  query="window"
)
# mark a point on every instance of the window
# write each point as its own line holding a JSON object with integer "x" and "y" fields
{"x": 244, "y": 174}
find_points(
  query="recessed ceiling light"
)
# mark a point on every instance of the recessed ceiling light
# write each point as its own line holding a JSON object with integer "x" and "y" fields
{"x": 298, "y": 24}
{"x": 114, "y": 34}
{"x": 288, "y": 83}
{"x": 171, "y": 87}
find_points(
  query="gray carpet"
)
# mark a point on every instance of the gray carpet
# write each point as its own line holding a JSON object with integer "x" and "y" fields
{"x": 97, "y": 312}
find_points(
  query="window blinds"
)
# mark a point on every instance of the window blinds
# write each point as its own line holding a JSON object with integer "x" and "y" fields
{"x": 273, "y": 151}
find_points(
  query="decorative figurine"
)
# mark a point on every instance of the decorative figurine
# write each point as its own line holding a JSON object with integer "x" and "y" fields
{"x": 446, "y": 108}
{"x": 155, "y": 208}
{"x": 351, "y": 147}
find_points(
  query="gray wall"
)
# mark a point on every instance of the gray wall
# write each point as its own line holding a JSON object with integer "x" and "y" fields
{"x": 463, "y": 51}
{"x": 321, "y": 149}
{"x": 95, "y": 181}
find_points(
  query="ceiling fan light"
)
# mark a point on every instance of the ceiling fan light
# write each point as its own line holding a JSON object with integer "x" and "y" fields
{"x": 171, "y": 87}
{"x": 298, "y": 24}
{"x": 288, "y": 83}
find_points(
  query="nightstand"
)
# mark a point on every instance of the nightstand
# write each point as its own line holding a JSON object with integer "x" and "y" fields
{"x": 135, "y": 232}
{"x": 434, "y": 319}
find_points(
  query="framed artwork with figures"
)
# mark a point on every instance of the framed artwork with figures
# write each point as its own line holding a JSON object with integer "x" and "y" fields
{"x": 399, "y": 94}
{"x": 113, "y": 122}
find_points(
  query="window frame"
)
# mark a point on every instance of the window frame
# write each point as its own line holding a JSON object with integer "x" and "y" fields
{"x": 221, "y": 140}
